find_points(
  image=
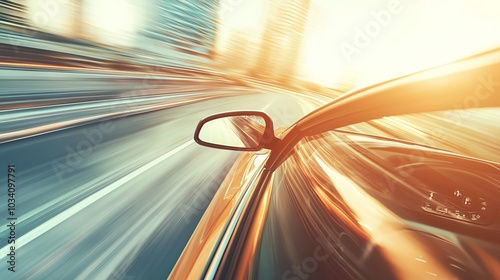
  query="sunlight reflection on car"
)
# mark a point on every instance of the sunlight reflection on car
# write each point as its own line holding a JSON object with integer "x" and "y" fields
{"x": 330, "y": 203}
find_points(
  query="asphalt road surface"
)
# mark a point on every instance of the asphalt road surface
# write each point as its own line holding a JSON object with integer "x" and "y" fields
{"x": 115, "y": 196}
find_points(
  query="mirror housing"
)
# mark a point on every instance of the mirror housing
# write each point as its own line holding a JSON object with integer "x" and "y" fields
{"x": 236, "y": 131}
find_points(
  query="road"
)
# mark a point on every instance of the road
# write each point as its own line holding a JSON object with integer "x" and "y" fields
{"x": 115, "y": 197}
{"x": 110, "y": 184}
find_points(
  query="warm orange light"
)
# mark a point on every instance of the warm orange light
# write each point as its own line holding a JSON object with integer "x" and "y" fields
{"x": 379, "y": 40}
{"x": 240, "y": 16}
{"x": 114, "y": 21}
{"x": 390, "y": 38}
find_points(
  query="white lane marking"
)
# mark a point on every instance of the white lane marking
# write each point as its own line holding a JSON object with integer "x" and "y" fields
{"x": 48, "y": 128}
{"x": 268, "y": 105}
{"x": 43, "y": 228}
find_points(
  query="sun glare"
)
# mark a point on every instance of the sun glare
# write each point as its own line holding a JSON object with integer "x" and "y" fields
{"x": 52, "y": 16}
{"x": 376, "y": 39}
{"x": 427, "y": 34}
{"x": 114, "y": 21}
{"x": 399, "y": 37}
{"x": 240, "y": 16}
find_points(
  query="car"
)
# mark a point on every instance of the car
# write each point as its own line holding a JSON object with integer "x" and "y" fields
{"x": 322, "y": 200}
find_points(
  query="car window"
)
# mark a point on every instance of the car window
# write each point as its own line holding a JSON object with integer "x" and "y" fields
{"x": 471, "y": 131}
{"x": 342, "y": 207}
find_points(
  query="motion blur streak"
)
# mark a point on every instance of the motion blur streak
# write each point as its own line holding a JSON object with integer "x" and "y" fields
{"x": 396, "y": 243}
{"x": 141, "y": 225}
{"x": 324, "y": 219}
{"x": 99, "y": 100}
{"x": 28, "y": 237}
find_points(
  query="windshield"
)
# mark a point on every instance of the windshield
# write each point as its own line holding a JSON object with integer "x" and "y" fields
{"x": 347, "y": 206}
{"x": 471, "y": 132}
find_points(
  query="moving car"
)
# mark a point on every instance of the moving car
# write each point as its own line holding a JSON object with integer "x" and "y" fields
{"x": 320, "y": 200}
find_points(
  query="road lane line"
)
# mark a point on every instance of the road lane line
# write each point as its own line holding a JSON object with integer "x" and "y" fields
{"x": 267, "y": 106}
{"x": 53, "y": 127}
{"x": 43, "y": 228}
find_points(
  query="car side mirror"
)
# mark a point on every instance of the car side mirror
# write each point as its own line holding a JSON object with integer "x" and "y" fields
{"x": 237, "y": 131}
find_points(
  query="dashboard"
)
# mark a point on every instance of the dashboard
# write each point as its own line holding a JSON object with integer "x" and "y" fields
{"x": 455, "y": 194}
{"x": 441, "y": 189}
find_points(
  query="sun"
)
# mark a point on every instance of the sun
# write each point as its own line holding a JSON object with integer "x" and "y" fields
{"x": 387, "y": 39}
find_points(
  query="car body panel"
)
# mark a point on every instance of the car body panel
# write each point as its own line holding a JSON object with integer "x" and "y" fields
{"x": 200, "y": 249}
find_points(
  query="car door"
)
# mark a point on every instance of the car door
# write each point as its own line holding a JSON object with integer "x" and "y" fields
{"x": 202, "y": 255}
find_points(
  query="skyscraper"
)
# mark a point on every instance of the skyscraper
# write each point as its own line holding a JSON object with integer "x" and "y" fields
{"x": 13, "y": 14}
{"x": 282, "y": 40}
{"x": 186, "y": 25}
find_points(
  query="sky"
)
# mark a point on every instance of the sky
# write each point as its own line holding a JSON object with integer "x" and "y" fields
{"x": 371, "y": 39}
{"x": 379, "y": 39}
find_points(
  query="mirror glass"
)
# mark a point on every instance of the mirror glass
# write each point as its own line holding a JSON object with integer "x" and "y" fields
{"x": 235, "y": 131}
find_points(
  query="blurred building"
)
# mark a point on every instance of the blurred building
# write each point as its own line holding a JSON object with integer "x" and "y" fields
{"x": 36, "y": 17}
{"x": 282, "y": 40}
{"x": 189, "y": 26}
{"x": 13, "y": 15}
{"x": 240, "y": 54}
